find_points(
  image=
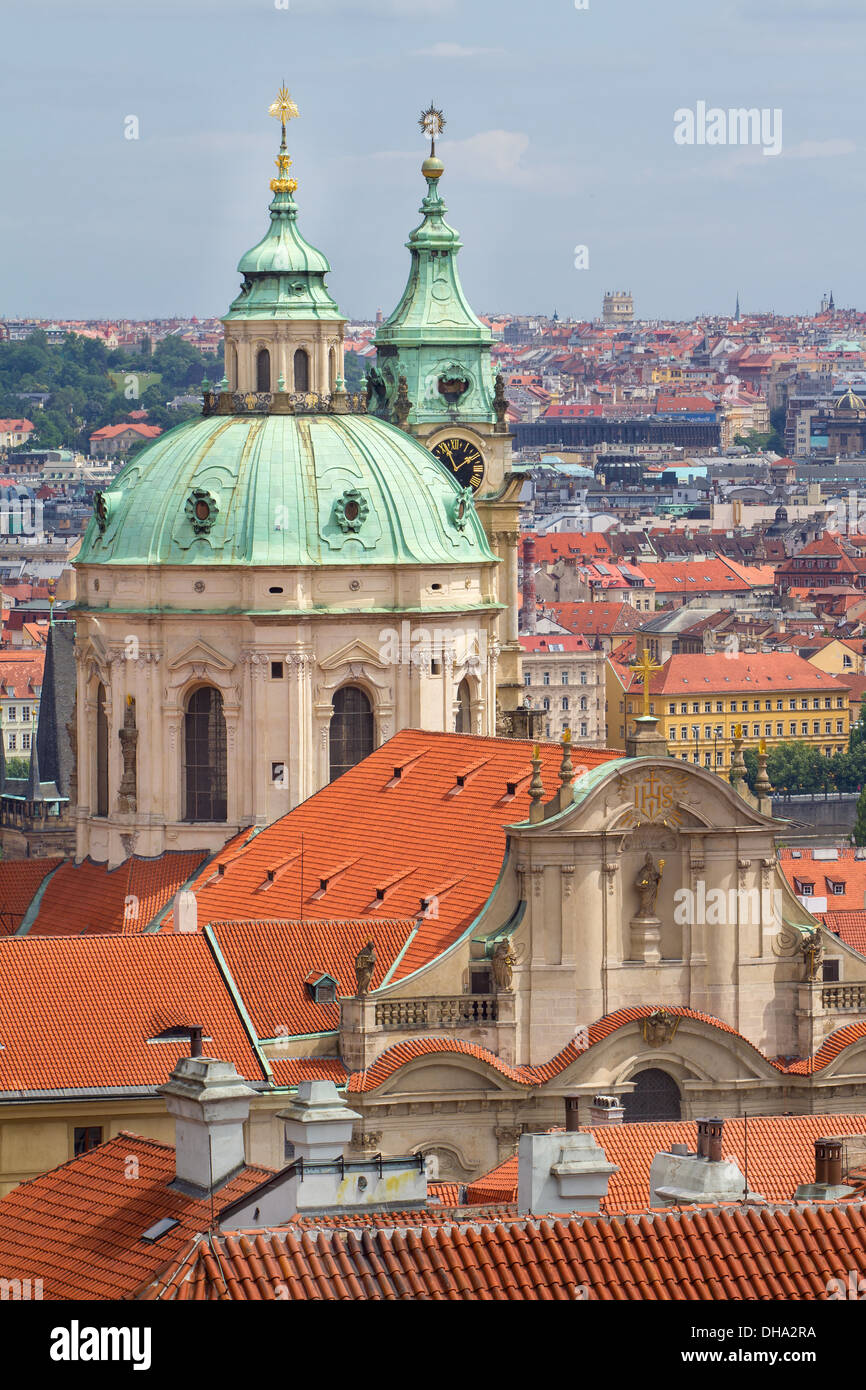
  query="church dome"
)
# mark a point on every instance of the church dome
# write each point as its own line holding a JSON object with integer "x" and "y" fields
{"x": 284, "y": 490}
{"x": 850, "y": 401}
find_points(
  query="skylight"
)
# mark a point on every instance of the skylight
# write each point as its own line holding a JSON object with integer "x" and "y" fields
{"x": 159, "y": 1229}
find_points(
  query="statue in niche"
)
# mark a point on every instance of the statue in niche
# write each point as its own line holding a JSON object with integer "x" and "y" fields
{"x": 647, "y": 885}
{"x": 503, "y": 961}
{"x": 127, "y": 794}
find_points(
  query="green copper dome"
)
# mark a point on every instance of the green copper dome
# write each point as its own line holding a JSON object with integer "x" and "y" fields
{"x": 284, "y": 490}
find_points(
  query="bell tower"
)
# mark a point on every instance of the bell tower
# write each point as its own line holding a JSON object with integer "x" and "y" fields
{"x": 434, "y": 377}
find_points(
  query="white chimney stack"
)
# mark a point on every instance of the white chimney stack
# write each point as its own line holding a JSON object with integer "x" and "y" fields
{"x": 209, "y": 1103}
{"x": 185, "y": 909}
{"x": 561, "y": 1172}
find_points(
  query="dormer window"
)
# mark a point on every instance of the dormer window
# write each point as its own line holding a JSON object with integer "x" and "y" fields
{"x": 804, "y": 887}
{"x": 321, "y": 988}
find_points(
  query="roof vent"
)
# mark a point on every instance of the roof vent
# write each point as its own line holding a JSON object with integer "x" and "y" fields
{"x": 159, "y": 1229}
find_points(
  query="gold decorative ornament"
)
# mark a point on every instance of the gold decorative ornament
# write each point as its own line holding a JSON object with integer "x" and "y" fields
{"x": 283, "y": 109}
{"x": 644, "y": 669}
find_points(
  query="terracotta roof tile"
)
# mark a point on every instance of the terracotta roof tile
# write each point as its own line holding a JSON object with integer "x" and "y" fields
{"x": 78, "y": 1012}
{"x": 270, "y": 961}
{"x": 19, "y": 882}
{"x": 781, "y": 1157}
{"x": 79, "y": 1227}
{"x": 516, "y": 1259}
{"x": 412, "y": 830}
{"x": 90, "y": 897}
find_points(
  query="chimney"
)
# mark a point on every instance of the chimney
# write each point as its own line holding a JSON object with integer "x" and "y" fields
{"x": 209, "y": 1103}
{"x": 185, "y": 911}
{"x": 710, "y": 1140}
{"x": 829, "y": 1184}
{"x": 528, "y": 614}
{"x": 561, "y": 1172}
{"x": 572, "y": 1123}
{"x": 318, "y": 1122}
{"x": 606, "y": 1110}
{"x": 828, "y": 1162}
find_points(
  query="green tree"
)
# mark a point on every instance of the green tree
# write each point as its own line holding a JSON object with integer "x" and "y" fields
{"x": 17, "y": 767}
{"x": 860, "y": 822}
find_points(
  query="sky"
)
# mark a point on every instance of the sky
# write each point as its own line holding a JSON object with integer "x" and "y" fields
{"x": 560, "y": 134}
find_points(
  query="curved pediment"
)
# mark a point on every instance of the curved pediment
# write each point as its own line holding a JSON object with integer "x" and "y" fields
{"x": 627, "y": 793}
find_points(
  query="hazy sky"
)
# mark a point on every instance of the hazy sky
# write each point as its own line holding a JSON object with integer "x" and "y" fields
{"x": 560, "y": 133}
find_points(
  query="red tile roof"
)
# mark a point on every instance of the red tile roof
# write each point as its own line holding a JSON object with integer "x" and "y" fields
{"x": 786, "y": 1253}
{"x": 270, "y": 961}
{"x": 694, "y": 577}
{"x": 19, "y": 881}
{"x": 598, "y": 619}
{"x": 288, "y": 1071}
{"x": 78, "y": 1228}
{"x": 89, "y": 897}
{"x": 846, "y": 870}
{"x": 79, "y": 1012}
{"x": 21, "y": 673}
{"x": 781, "y": 1156}
{"x": 412, "y": 838}
{"x": 850, "y": 927}
{"x": 769, "y": 673}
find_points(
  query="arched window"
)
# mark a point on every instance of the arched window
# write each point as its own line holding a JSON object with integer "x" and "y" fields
{"x": 101, "y": 754}
{"x": 332, "y": 370}
{"x": 656, "y": 1096}
{"x": 205, "y": 756}
{"x": 463, "y": 720}
{"x": 302, "y": 370}
{"x": 232, "y": 366}
{"x": 352, "y": 730}
{"x": 263, "y": 370}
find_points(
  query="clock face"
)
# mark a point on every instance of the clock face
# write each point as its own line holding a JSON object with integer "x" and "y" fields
{"x": 463, "y": 461}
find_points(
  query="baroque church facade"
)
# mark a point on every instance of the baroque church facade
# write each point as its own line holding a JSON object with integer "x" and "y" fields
{"x": 469, "y": 933}
{"x": 267, "y": 594}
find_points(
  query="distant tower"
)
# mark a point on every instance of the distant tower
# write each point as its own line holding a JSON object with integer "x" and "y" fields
{"x": 831, "y": 306}
{"x": 618, "y": 308}
{"x": 825, "y": 305}
{"x": 737, "y": 309}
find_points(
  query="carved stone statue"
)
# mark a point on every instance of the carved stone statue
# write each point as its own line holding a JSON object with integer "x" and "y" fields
{"x": 659, "y": 1028}
{"x": 503, "y": 960}
{"x": 365, "y": 964}
{"x": 402, "y": 404}
{"x": 127, "y": 791}
{"x": 647, "y": 885}
{"x": 500, "y": 402}
{"x": 813, "y": 954}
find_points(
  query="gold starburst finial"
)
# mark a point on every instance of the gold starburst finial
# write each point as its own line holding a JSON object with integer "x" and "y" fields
{"x": 284, "y": 109}
{"x": 432, "y": 122}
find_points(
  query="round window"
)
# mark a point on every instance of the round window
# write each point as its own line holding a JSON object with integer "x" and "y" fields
{"x": 202, "y": 510}
{"x": 351, "y": 511}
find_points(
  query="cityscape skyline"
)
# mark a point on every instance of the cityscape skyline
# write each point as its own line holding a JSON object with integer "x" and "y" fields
{"x": 684, "y": 226}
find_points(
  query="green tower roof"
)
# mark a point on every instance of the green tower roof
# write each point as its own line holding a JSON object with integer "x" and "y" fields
{"x": 433, "y": 307}
{"x": 284, "y": 276}
{"x": 284, "y": 490}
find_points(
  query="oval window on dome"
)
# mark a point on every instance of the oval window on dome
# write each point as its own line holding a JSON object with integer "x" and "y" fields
{"x": 202, "y": 510}
{"x": 351, "y": 511}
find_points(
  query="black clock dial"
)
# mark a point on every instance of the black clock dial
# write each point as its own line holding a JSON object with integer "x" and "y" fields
{"x": 463, "y": 460}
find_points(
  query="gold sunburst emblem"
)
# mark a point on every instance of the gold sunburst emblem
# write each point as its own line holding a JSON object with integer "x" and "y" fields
{"x": 283, "y": 108}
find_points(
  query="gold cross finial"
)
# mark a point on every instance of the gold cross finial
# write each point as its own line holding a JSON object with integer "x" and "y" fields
{"x": 645, "y": 668}
{"x": 432, "y": 123}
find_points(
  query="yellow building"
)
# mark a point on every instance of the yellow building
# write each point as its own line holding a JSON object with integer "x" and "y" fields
{"x": 699, "y": 700}
{"x": 839, "y": 658}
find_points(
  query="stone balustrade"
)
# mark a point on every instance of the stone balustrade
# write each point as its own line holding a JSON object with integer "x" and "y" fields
{"x": 454, "y": 1010}
{"x": 845, "y": 998}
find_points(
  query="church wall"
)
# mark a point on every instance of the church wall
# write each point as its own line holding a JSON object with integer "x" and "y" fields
{"x": 277, "y": 727}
